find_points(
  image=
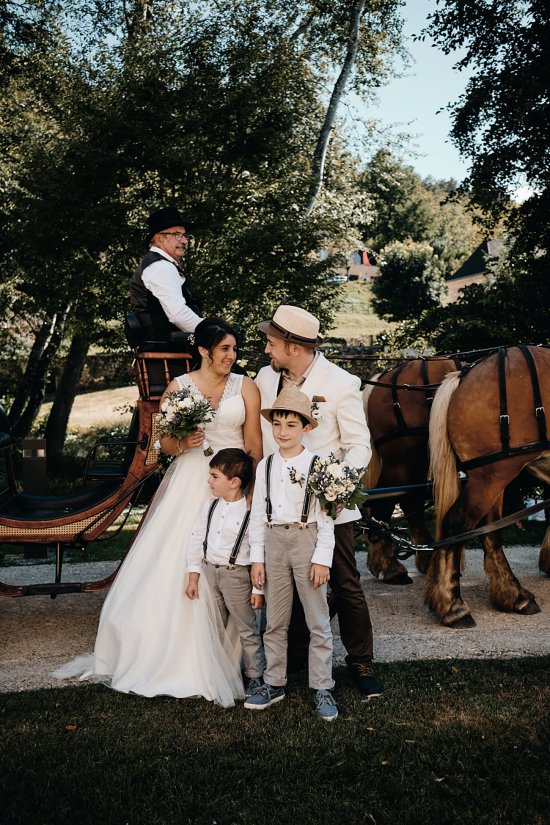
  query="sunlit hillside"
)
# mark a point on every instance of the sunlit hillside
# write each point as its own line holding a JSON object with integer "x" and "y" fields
{"x": 355, "y": 320}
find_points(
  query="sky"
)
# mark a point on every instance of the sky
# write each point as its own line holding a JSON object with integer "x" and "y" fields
{"x": 412, "y": 102}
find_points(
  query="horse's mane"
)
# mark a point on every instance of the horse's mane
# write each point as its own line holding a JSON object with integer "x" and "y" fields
{"x": 443, "y": 469}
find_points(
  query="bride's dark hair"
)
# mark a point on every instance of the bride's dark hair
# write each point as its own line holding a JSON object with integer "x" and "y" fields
{"x": 208, "y": 334}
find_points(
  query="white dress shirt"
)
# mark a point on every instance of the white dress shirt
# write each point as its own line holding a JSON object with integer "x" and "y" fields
{"x": 225, "y": 526}
{"x": 163, "y": 279}
{"x": 287, "y": 501}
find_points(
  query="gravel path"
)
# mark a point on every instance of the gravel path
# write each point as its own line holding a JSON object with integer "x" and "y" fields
{"x": 40, "y": 633}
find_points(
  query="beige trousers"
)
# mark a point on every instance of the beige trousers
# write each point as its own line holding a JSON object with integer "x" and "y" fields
{"x": 232, "y": 589}
{"x": 288, "y": 552}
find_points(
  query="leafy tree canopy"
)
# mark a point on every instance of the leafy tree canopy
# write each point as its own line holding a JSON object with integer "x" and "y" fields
{"x": 510, "y": 309}
{"x": 502, "y": 121}
{"x": 406, "y": 207}
{"x": 116, "y": 107}
{"x": 410, "y": 281}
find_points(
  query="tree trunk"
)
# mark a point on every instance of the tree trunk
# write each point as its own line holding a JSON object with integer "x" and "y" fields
{"x": 56, "y": 428}
{"x": 37, "y": 384}
{"x": 321, "y": 149}
{"x": 24, "y": 389}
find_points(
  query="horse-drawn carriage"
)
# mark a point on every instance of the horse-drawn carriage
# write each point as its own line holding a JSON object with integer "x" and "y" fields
{"x": 487, "y": 422}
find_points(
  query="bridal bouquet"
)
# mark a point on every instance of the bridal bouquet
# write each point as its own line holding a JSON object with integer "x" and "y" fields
{"x": 181, "y": 413}
{"x": 337, "y": 485}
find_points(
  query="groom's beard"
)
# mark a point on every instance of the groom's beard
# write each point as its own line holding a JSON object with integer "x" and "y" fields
{"x": 275, "y": 366}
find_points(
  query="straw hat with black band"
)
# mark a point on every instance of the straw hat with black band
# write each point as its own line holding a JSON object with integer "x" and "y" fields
{"x": 293, "y": 324}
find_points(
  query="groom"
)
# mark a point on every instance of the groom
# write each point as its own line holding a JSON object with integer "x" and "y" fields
{"x": 292, "y": 337}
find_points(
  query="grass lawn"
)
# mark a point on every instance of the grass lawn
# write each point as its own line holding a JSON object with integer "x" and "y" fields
{"x": 98, "y": 410}
{"x": 449, "y": 742}
{"x": 355, "y": 319}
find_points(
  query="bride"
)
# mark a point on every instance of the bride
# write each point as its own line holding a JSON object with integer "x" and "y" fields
{"x": 151, "y": 639}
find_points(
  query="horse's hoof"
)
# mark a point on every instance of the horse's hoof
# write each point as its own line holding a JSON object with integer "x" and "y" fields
{"x": 401, "y": 578}
{"x": 531, "y": 608}
{"x": 461, "y": 623}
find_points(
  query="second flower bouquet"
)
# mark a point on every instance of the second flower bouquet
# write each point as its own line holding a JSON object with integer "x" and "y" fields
{"x": 337, "y": 485}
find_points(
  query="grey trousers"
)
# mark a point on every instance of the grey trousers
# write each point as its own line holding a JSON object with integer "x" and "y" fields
{"x": 232, "y": 589}
{"x": 288, "y": 552}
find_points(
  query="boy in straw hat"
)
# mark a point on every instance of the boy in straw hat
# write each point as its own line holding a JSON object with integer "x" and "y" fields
{"x": 291, "y": 541}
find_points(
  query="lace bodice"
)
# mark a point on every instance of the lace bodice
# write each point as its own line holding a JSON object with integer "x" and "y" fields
{"x": 226, "y": 428}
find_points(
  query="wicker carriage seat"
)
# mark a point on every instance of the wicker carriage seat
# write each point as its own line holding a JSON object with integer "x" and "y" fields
{"x": 24, "y": 507}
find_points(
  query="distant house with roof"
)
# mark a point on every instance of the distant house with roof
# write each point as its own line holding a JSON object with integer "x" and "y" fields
{"x": 474, "y": 268}
{"x": 360, "y": 265}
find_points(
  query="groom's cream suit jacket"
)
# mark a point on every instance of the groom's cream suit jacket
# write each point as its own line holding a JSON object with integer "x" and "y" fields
{"x": 342, "y": 428}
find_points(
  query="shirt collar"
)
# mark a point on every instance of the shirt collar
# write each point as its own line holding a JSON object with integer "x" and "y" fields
{"x": 306, "y": 373}
{"x": 163, "y": 253}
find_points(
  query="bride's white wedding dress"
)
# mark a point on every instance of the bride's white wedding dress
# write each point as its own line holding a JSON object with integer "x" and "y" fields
{"x": 152, "y": 640}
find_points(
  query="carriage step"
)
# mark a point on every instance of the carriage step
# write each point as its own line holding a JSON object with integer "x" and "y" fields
{"x": 52, "y": 589}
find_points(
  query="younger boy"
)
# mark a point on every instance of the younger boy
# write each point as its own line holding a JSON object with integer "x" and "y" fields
{"x": 219, "y": 548}
{"x": 292, "y": 540}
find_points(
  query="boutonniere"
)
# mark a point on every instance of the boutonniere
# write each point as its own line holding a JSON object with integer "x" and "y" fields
{"x": 296, "y": 477}
{"x": 315, "y": 409}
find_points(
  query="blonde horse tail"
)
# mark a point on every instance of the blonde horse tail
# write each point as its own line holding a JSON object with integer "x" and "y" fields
{"x": 366, "y": 394}
{"x": 443, "y": 471}
{"x": 374, "y": 470}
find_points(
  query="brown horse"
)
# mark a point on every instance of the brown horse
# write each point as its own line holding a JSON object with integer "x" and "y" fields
{"x": 490, "y": 422}
{"x": 398, "y": 423}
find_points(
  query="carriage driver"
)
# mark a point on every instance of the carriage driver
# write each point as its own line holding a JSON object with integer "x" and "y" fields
{"x": 159, "y": 295}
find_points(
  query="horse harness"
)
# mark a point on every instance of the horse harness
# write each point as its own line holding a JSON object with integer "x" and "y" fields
{"x": 504, "y": 419}
{"x": 307, "y": 497}
{"x": 238, "y": 542}
{"x": 403, "y": 429}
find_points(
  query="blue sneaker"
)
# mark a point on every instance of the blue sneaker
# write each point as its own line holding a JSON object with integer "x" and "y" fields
{"x": 252, "y": 684}
{"x": 264, "y": 696}
{"x": 325, "y": 706}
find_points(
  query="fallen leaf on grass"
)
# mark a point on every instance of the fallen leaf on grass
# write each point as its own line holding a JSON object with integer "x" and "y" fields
{"x": 385, "y": 762}
{"x": 71, "y": 726}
